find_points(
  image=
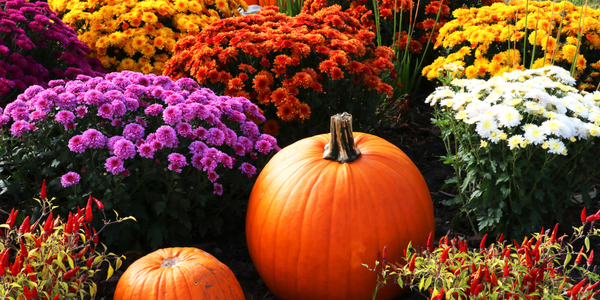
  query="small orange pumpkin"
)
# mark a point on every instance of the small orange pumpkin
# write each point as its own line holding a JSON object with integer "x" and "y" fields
{"x": 315, "y": 216}
{"x": 178, "y": 273}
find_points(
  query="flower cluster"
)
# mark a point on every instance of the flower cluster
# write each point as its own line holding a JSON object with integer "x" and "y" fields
{"x": 128, "y": 130}
{"x": 52, "y": 258}
{"x": 524, "y": 108}
{"x": 140, "y": 35}
{"x": 540, "y": 267}
{"x": 524, "y": 143}
{"x": 303, "y": 65}
{"x": 489, "y": 41}
{"x": 35, "y": 47}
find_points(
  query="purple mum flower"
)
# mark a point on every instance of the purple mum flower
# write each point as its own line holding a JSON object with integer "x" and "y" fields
{"x": 133, "y": 132}
{"x": 65, "y": 117}
{"x": 19, "y": 127}
{"x": 132, "y": 104}
{"x": 111, "y": 143}
{"x": 146, "y": 150}
{"x": 263, "y": 147}
{"x": 105, "y": 111}
{"x": 248, "y": 169}
{"x": 154, "y": 109}
{"x": 37, "y": 116}
{"x": 70, "y": 179}
{"x": 114, "y": 165}
{"x": 94, "y": 138}
{"x": 218, "y": 189}
{"x": 174, "y": 99}
{"x": 184, "y": 129}
{"x": 20, "y": 113}
{"x": 172, "y": 115}
{"x": 177, "y": 161}
{"x": 197, "y": 147}
{"x": 77, "y": 144}
{"x": 81, "y": 111}
{"x": 140, "y": 121}
{"x": 250, "y": 129}
{"x": 119, "y": 108}
{"x": 166, "y": 135}
{"x": 66, "y": 101}
{"x": 32, "y": 91}
{"x": 212, "y": 176}
{"x": 215, "y": 137}
{"x": 124, "y": 149}
{"x": 93, "y": 97}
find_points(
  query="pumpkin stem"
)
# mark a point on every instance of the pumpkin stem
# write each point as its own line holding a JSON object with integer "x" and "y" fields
{"x": 341, "y": 148}
{"x": 170, "y": 262}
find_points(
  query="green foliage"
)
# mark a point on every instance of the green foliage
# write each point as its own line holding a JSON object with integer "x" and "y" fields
{"x": 542, "y": 267}
{"x": 515, "y": 176}
{"x": 54, "y": 259}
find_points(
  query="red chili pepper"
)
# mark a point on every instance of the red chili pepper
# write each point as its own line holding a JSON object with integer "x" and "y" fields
{"x": 590, "y": 258}
{"x": 411, "y": 264}
{"x": 88, "y": 211}
{"x": 583, "y": 216}
{"x": 29, "y": 270}
{"x": 593, "y": 286}
{"x": 88, "y": 235}
{"x": 69, "y": 274}
{"x": 95, "y": 236}
{"x": 25, "y": 226}
{"x": 593, "y": 218}
{"x": 12, "y": 217}
{"x": 553, "y": 237}
{"x": 90, "y": 261}
{"x": 444, "y": 256}
{"x": 3, "y": 261}
{"x": 29, "y": 294}
{"x": 494, "y": 279}
{"x": 528, "y": 258}
{"x": 56, "y": 297}
{"x": 43, "y": 193}
{"x": 501, "y": 238}
{"x": 16, "y": 266}
{"x": 69, "y": 227}
{"x": 578, "y": 259}
{"x": 49, "y": 225}
{"x": 82, "y": 252}
{"x": 482, "y": 244}
{"x": 506, "y": 269}
{"x": 429, "y": 244}
{"x": 99, "y": 204}
{"x": 575, "y": 290}
{"x": 24, "y": 251}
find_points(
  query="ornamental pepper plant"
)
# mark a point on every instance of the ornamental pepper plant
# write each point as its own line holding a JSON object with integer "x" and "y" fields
{"x": 52, "y": 257}
{"x": 300, "y": 70}
{"x": 36, "y": 47}
{"x": 176, "y": 156}
{"x": 140, "y": 35}
{"x": 521, "y": 144}
{"x": 491, "y": 40}
{"x": 545, "y": 265}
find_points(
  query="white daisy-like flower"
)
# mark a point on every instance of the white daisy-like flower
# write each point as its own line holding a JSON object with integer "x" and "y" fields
{"x": 509, "y": 116}
{"x": 553, "y": 126}
{"x": 531, "y": 107}
{"x": 594, "y": 130}
{"x": 440, "y": 93}
{"x": 556, "y": 146}
{"x": 578, "y": 108}
{"x": 486, "y": 125}
{"x": 534, "y": 134}
{"x": 512, "y": 99}
{"x": 476, "y": 108}
{"x": 515, "y": 141}
{"x": 495, "y": 136}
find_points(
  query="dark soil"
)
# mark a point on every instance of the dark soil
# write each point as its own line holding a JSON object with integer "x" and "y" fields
{"x": 420, "y": 140}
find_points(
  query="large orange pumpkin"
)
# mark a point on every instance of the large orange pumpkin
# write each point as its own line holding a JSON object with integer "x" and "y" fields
{"x": 313, "y": 221}
{"x": 178, "y": 274}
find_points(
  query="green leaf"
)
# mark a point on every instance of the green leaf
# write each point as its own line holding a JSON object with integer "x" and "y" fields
{"x": 587, "y": 243}
{"x": 567, "y": 260}
{"x": 110, "y": 272}
{"x": 428, "y": 282}
{"x": 421, "y": 284}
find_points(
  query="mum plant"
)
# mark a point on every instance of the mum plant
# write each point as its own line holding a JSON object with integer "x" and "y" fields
{"x": 35, "y": 47}
{"x": 53, "y": 257}
{"x": 544, "y": 266}
{"x": 489, "y": 41}
{"x": 300, "y": 70}
{"x": 521, "y": 144}
{"x": 140, "y": 35}
{"x": 176, "y": 156}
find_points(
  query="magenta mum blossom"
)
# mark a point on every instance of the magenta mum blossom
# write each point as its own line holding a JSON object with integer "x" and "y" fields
{"x": 70, "y": 179}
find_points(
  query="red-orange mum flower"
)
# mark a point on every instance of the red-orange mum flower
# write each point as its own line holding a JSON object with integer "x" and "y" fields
{"x": 278, "y": 96}
{"x": 271, "y": 127}
{"x": 340, "y": 59}
{"x": 228, "y": 54}
{"x": 354, "y": 67}
{"x": 303, "y": 79}
{"x": 316, "y": 86}
{"x": 265, "y": 62}
{"x": 245, "y": 67}
{"x": 261, "y": 83}
{"x": 282, "y": 60}
{"x": 336, "y": 73}
{"x": 286, "y": 112}
{"x": 303, "y": 111}
{"x": 213, "y": 75}
{"x": 326, "y": 65}
{"x": 235, "y": 84}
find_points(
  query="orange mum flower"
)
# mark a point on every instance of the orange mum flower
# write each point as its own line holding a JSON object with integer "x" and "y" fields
{"x": 213, "y": 75}
{"x": 245, "y": 67}
{"x": 235, "y": 84}
{"x": 340, "y": 59}
{"x": 303, "y": 111}
{"x": 303, "y": 79}
{"x": 286, "y": 112}
{"x": 271, "y": 127}
{"x": 316, "y": 86}
{"x": 336, "y": 73}
{"x": 278, "y": 96}
{"x": 326, "y": 65}
{"x": 282, "y": 60}
{"x": 354, "y": 67}
{"x": 261, "y": 83}
{"x": 243, "y": 76}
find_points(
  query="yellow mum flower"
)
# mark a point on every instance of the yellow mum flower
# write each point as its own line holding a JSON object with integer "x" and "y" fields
{"x": 149, "y": 18}
{"x": 581, "y": 62}
{"x": 148, "y": 50}
{"x": 126, "y": 64}
{"x": 159, "y": 67}
{"x": 163, "y": 57}
{"x": 138, "y": 42}
{"x": 181, "y": 5}
{"x": 102, "y": 42}
{"x": 568, "y": 52}
{"x": 128, "y": 48}
{"x": 147, "y": 68}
